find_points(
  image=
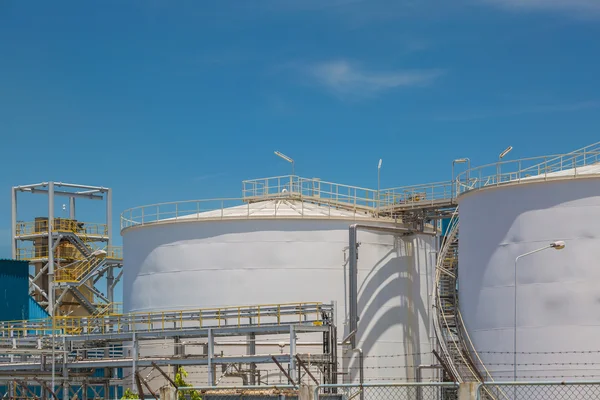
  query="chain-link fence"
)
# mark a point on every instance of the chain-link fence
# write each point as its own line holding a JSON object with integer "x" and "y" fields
{"x": 539, "y": 391}
{"x": 403, "y": 391}
{"x": 284, "y": 392}
{"x": 385, "y": 391}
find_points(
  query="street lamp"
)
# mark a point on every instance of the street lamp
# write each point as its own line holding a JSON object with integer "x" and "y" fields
{"x": 558, "y": 245}
{"x": 460, "y": 161}
{"x": 500, "y": 157}
{"x": 378, "y": 185}
{"x": 286, "y": 158}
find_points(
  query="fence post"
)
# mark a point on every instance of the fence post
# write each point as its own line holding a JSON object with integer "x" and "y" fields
{"x": 468, "y": 391}
{"x": 306, "y": 392}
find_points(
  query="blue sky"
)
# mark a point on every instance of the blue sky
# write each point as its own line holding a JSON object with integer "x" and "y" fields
{"x": 165, "y": 100}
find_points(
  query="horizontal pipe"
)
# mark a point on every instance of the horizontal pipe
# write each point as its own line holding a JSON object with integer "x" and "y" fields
{"x": 249, "y": 387}
{"x": 388, "y": 384}
{"x": 68, "y": 194}
{"x": 76, "y": 186}
{"x": 35, "y": 185}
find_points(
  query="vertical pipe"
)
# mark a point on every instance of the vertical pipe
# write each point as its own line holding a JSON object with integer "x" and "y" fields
{"x": 361, "y": 371}
{"x": 109, "y": 216}
{"x": 65, "y": 371}
{"x": 51, "y": 273}
{"x": 72, "y": 207}
{"x": 211, "y": 354}
{"x": 110, "y": 281}
{"x": 134, "y": 356}
{"x": 352, "y": 284}
{"x": 13, "y": 228}
{"x": 252, "y": 351}
{"x": 292, "y": 355}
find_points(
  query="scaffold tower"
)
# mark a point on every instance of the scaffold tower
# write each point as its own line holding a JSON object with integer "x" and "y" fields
{"x": 68, "y": 257}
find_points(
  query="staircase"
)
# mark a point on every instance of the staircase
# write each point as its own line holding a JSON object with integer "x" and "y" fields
{"x": 79, "y": 244}
{"x": 85, "y": 303}
{"x": 81, "y": 272}
{"x": 453, "y": 339}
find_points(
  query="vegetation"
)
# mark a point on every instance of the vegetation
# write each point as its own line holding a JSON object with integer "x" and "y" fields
{"x": 129, "y": 395}
{"x": 179, "y": 381}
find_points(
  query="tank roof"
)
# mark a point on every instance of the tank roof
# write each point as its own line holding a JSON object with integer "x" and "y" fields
{"x": 280, "y": 208}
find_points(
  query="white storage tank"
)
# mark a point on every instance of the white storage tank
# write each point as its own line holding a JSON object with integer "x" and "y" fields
{"x": 558, "y": 295}
{"x": 284, "y": 250}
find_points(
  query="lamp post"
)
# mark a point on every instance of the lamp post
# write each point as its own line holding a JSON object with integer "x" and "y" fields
{"x": 460, "y": 161}
{"x": 286, "y": 158}
{"x": 500, "y": 157}
{"x": 558, "y": 245}
{"x": 378, "y": 185}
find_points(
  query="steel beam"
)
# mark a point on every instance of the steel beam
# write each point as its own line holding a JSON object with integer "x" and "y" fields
{"x": 13, "y": 228}
{"x": 65, "y": 194}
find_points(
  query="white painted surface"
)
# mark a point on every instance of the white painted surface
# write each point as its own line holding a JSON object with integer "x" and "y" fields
{"x": 558, "y": 291}
{"x": 241, "y": 262}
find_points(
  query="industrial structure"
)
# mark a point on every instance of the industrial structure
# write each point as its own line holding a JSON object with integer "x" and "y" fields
{"x": 68, "y": 256}
{"x": 302, "y": 280}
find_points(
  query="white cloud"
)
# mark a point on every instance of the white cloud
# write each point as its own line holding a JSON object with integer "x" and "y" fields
{"x": 579, "y": 6}
{"x": 509, "y": 112}
{"x": 346, "y": 79}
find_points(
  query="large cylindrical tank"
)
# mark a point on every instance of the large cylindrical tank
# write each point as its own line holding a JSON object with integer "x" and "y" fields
{"x": 282, "y": 251}
{"x": 557, "y": 292}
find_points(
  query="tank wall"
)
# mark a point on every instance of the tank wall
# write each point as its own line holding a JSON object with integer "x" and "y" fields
{"x": 209, "y": 264}
{"x": 558, "y": 302}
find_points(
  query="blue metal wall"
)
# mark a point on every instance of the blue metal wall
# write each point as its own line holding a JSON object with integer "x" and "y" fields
{"x": 36, "y": 311}
{"x": 14, "y": 290}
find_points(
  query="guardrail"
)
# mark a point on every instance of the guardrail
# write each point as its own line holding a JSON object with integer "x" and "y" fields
{"x": 309, "y": 188}
{"x": 254, "y": 315}
{"x": 417, "y": 195}
{"x": 33, "y": 254}
{"x": 554, "y": 167}
{"x": 40, "y": 227}
{"x": 223, "y": 209}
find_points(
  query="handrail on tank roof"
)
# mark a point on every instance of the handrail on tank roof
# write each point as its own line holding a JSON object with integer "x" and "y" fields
{"x": 531, "y": 169}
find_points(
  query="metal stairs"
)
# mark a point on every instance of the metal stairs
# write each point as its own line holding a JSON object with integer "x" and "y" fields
{"x": 456, "y": 348}
{"x": 85, "y": 303}
{"x": 79, "y": 244}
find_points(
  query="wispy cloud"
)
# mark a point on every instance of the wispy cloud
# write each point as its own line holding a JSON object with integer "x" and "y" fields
{"x": 538, "y": 109}
{"x": 347, "y": 79}
{"x": 201, "y": 178}
{"x": 583, "y": 7}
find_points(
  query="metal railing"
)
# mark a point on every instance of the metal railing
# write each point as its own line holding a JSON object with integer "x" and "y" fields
{"x": 223, "y": 209}
{"x": 554, "y": 167}
{"x": 417, "y": 196}
{"x": 32, "y": 254}
{"x": 539, "y": 390}
{"x": 309, "y": 189}
{"x": 62, "y": 225}
{"x": 255, "y": 315}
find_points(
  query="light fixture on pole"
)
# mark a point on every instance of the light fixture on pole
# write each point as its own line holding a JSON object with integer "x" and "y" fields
{"x": 460, "y": 161}
{"x": 286, "y": 158}
{"x": 558, "y": 245}
{"x": 500, "y": 157}
{"x": 378, "y": 183}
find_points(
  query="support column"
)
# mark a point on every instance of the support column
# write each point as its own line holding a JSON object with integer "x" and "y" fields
{"x": 292, "y": 367}
{"x": 50, "y": 247}
{"x": 13, "y": 228}
{"x": 109, "y": 216}
{"x": 251, "y": 338}
{"x": 72, "y": 207}
{"x": 110, "y": 290}
{"x": 65, "y": 371}
{"x": 211, "y": 354}
{"x": 134, "y": 357}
